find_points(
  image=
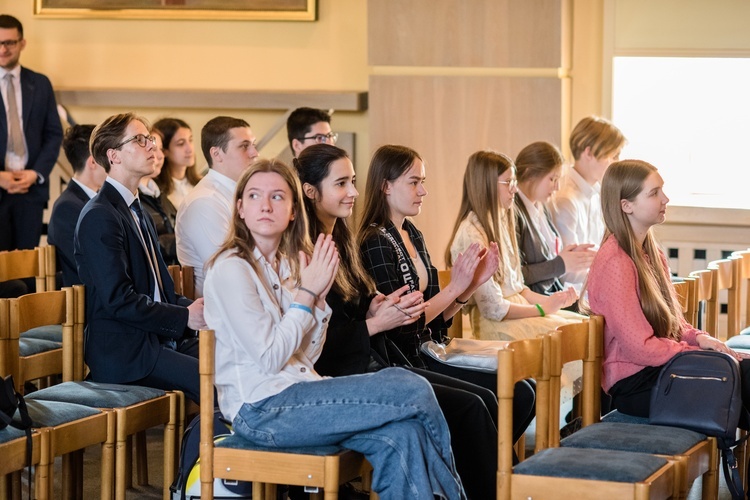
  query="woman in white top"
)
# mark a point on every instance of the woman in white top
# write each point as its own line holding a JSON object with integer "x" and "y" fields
{"x": 268, "y": 339}
{"x": 502, "y": 308}
{"x": 179, "y": 175}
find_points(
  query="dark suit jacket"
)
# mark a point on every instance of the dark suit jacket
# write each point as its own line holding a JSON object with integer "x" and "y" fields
{"x": 125, "y": 327}
{"x": 41, "y": 127}
{"x": 540, "y": 266}
{"x": 62, "y": 227}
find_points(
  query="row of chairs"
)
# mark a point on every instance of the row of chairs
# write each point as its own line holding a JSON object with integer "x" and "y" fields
{"x": 604, "y": 459}
{"x": 114, "y": 414}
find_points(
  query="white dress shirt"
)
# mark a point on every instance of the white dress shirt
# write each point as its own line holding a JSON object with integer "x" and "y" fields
{"x": 577, "y": 214}
{"x": 203, "y": 222}
{"x": 10, "y": 157}
{"x": 262, "y": 345}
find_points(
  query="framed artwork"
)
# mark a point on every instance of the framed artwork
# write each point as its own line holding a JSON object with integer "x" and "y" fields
{"x": 256, "y": 10}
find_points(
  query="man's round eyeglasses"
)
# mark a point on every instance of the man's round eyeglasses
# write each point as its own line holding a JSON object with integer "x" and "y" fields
{"x": 512, "y": 184}
{"x": 10, "y": 44}
{"x": 141, "y": 139}
{"x": 329, "y": 138}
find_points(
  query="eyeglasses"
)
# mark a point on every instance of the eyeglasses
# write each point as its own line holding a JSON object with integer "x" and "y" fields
{"x": 330, "y": 137}
{"x": 512, "y": 184}
{"x": 10, "y": 44}
{"x": 141, "y": 139}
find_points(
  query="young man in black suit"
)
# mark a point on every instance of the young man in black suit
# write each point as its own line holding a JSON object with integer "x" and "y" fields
{"x": 134, "y": 318}
{"x": 30, "y": 136}
{"x": 88, "y": 177}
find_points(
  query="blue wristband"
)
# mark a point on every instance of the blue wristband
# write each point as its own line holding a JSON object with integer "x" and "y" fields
{"x": 294, "y": 305}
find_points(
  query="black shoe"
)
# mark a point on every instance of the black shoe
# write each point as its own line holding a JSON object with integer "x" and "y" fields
{"x": 571, "y": 427}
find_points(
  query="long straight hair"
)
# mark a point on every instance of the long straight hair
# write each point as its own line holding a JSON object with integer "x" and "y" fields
{"x": 481, "y": 197}
{"x": 388, "y": 164}
{"x": 168, "y": 127}
{"x": 295, "y": 238}
{"x": 314, "y": 166}
{"x": 624, "y": 180}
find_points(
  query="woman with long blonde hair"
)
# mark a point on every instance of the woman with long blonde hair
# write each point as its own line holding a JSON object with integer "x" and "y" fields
{"x": 502, "y": 308}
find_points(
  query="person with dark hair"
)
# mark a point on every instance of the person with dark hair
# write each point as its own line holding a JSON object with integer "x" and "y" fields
{"x": 203, "y": 219}
{"x": 29, "y": 143}
{"x": 358, "y": 314}
{"x": 88, "y": 177}
{"x": 164, "y": 217}
{"x": 308, "y": 126}
{"x": 134, "y": 319}
{"x": 179, "y": 174}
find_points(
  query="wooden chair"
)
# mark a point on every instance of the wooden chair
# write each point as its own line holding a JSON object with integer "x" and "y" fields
{"x": 693, "y": 453}
{"x": 184, "y": 280}
{"x": 13, "y": 451}
{"x": 71, "y": 427}
{"x": 235, "y": 458}
{"x": 565, "y": 473}
{"x": 724, "y": 279}
{"x": 134, "y": 408}
{"x": 30, "y": 358}
{"x": 703, "y": 289}
{"x": 743, "y": 282}
{"x": 21, "y": 264}
{"x": 457, "y": 327}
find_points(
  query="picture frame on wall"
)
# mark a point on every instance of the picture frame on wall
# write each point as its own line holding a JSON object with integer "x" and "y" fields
{"x": 253, "y": 10}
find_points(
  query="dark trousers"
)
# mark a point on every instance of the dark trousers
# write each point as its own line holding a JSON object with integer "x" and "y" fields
{"x": 21, "y": 218}
{"x": 174, "y": 371}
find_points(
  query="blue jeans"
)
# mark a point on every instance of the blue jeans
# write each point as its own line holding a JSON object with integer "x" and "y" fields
{"x": 391, "y": 417}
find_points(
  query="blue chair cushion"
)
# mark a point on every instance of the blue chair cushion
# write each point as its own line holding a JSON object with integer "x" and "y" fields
{"x": 745, "y": 331}
{"x": 616, "y": 416}
{"x": 11, "y": 433}
{"x": 53, "y": 413}
{"x": 597, "y": 465}
{"x": 236, "y": 442}
{"x": 634, "y": 437}
{"x": 97, "y": 395}
{"x": 741, "y": 341}
{"x": 49, "y": 332}
{"x": 29, "y": 347}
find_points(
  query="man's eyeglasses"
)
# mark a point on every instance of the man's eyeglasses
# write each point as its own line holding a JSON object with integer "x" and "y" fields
{"x": 512, "y": 184}
{"x": 9, "y": 44}
{"x": 329, "y": 138}
{"x": 141, "y": 139}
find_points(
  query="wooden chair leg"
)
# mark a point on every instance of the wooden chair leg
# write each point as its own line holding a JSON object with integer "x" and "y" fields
{"x": 170, "y": 442}
{"x": 121, "y": 456}
{"x": 128, "y": 461}
{"x": 141, "y": 459}
{"x": 259, "y": 491}
{"x": 108, "y": 458}
{"x": 15, "y": 485}
{"x": 43, "y": 475}
{"x": 68, "y": 479}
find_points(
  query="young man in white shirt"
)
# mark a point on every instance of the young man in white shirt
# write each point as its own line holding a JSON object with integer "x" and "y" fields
{"x": 203, "y": 217}
{"x": 576, "y": 208}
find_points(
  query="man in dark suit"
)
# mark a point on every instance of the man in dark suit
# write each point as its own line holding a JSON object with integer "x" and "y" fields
{"x": 30, "y": 136}
{"x": 134, "y": 318}
{"x": 88, "y": 177}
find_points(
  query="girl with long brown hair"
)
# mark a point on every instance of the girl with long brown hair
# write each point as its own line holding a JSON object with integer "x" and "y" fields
{"x": 630, "y": 285}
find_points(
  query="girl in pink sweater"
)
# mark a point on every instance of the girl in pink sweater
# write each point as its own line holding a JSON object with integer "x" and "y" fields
{"x": 630, "y": 285}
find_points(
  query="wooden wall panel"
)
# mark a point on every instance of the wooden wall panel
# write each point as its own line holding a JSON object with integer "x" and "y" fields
{"x": 468, "y": 33}
{"x": 447, "y": 118}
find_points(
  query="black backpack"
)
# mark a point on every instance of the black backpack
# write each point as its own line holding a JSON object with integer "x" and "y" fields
{"x": 10, "y": 401}
{"x": 187, "y": 484}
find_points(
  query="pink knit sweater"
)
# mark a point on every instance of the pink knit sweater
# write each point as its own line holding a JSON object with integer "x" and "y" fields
{"x": 629, "y": 341}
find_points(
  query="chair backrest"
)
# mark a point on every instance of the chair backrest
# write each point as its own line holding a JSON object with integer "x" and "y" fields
{"x": 19, "y": 264}
{"x": 724, "y": 279}
{"x": 176, "y": 273}
{"x": 743, "y": 285}
{"x": 686, "y": 294}
{"x": 457, "y": 327}
{"x": 704, "y": 280}
{"x": 73, "y": 352}
{"x": 31, "y": 311}
{"x": 184, "y": 280}
{"x": 50, "y": 267}
{"x": 206, "y": 370}
{"x": 521, "y": 359}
